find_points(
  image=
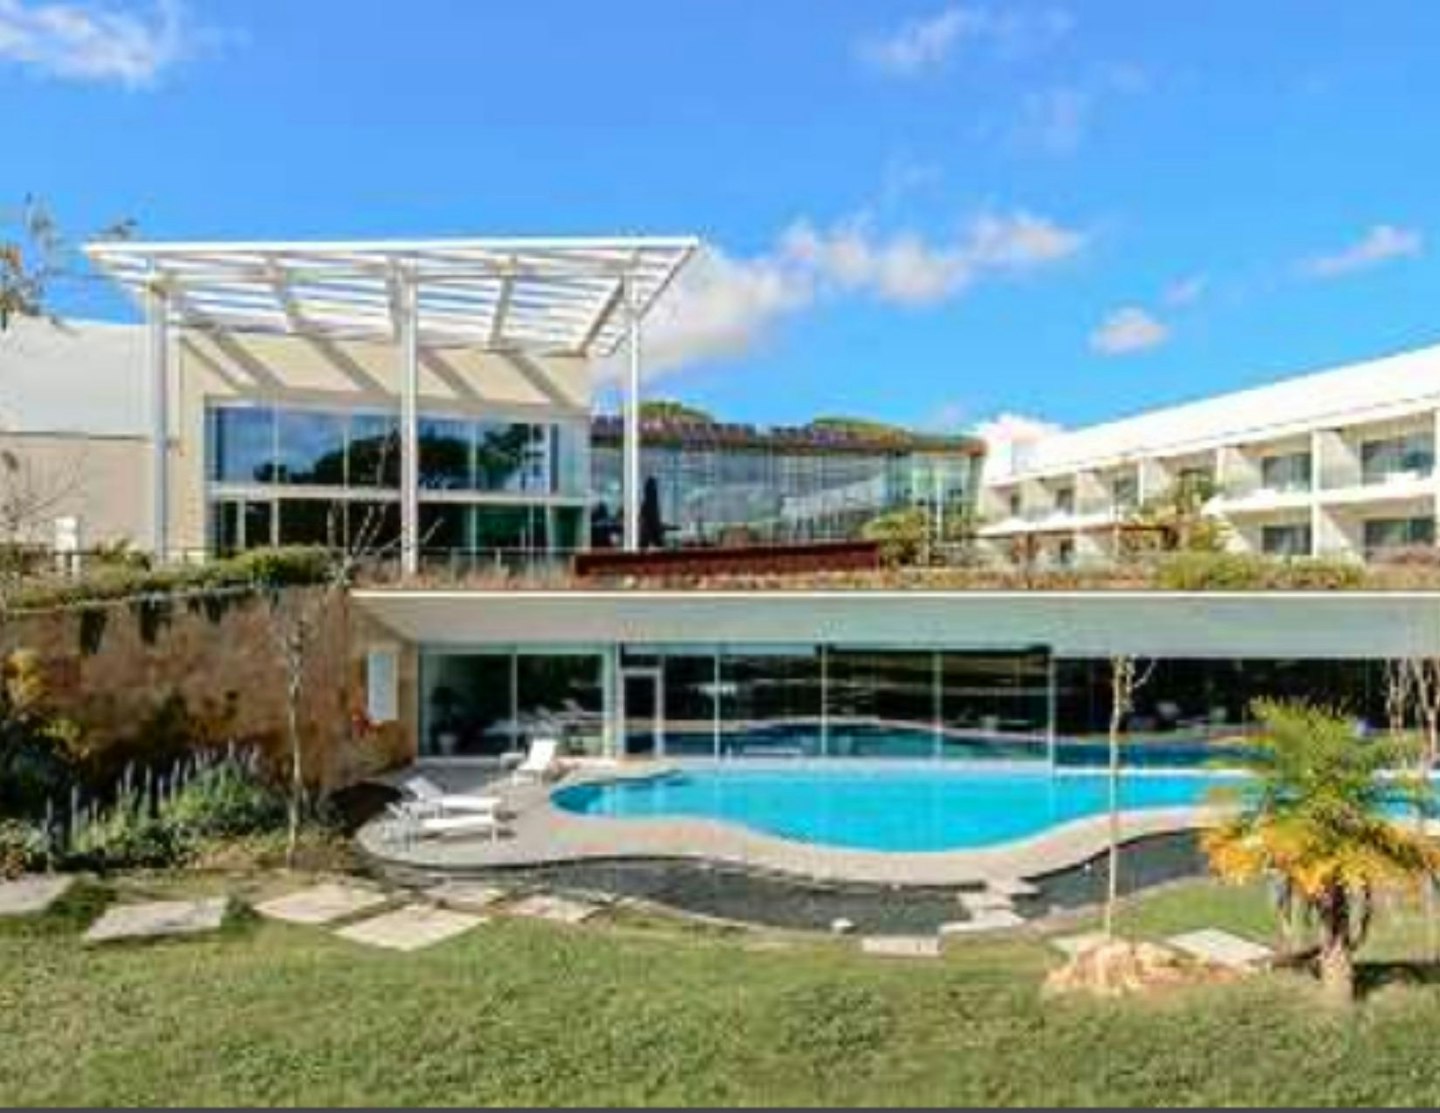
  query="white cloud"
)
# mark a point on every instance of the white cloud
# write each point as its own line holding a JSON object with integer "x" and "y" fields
{"x": 921, "y": 45}
{"x": 1381, "y": 244}
{"x": 1129, "y": 330}
{"x": 1185, "y": 291}
{"x": 98, "y": 42}
{"x": 724, "y": 306}
{"x": 1013, "y": 428}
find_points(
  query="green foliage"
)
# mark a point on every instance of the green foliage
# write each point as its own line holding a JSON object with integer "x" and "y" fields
{"x": 861, "y": 428}
{"x": 269, "y": 568}
{"x": 904, "y": 535}
{"x": 666, "y": 410}
{"x": 1209, "y": 571}
{"x": 127, "y": 835}
{"x": 24, "y": 847}
{"x": 1315, "y": 817}
{"x": 225, "y": 800}
{"x": 36, "y": 747}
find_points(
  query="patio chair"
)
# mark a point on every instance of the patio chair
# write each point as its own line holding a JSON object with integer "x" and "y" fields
{"x": 542, "y": 763}
{"x": 459, "y": 826}
{"x": 430, "y": 797}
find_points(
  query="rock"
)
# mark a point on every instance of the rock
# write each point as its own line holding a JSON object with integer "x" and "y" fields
{"x": 1114, "y": 967}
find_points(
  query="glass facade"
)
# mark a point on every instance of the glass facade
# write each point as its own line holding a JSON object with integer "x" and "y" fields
{"x": 851, "y": 702}
{"x": 754, "y": 486}
{"x": 487, "y": 704}
{"x": 486, "y": 486}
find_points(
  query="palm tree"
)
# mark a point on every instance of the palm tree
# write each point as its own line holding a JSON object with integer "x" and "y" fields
{"x": 1316, "y": 817}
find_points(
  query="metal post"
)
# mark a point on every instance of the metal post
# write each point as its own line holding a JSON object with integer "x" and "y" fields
{"x": 158, "y": 318}
{"x": 409, "y": 427}
{"x": 632, "y": 422}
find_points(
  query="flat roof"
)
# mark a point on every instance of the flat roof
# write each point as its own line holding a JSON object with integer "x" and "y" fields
{"x": 797, "y": 439}
{"x": 562, "y": 296}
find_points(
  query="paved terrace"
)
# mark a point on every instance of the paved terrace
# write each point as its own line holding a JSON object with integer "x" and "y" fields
{"x": 541, "y": 833}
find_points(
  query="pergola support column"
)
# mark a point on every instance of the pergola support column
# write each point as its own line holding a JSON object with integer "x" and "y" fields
{"x": 157, "y": 313}
{"x": 632, "y": 418}
{"x": 408, "y": 328}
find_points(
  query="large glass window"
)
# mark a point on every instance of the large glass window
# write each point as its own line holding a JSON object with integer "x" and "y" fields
{"x": 1291, "y": 540}
{"x": 770, "y": 702}
{"x": 1412, "y": 452}
{"x": 881, "y": 703}
{"x": 1382, "y": 534}
{"x": 467, "y": 707}
{"x": 312, "y": 522}
{"x": 562, "y": 695}
{"x": 446, "y": 455}
{"x": 994, "y": 704}
{"x": 374, "y": 457}
{"x": 310, "y": 448}
{"x": 242, "y": 445}
{"x": 1290, "y": 472}
{"x": 510, "y": 457}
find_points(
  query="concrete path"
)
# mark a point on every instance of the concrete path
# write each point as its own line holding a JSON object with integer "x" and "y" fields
{"x": 1222, "y": 948}
{"x": 410, "y": 928}
{"x": 560, "y": 910}
{"x": 158, "y": 919}
{"x": 322, "y": 904}
{"x": 30, "y": 896}
{"x": 901, "y": 946}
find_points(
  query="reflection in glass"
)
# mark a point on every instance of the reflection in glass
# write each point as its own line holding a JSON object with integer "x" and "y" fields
{"x": 466, "y": 704}
{"x": 446, "y": 457}
{"x": 770, "y": 702}
{"x": 242, "y": 445}
{"x": 311, "y": 448}
{"x": 374, "y": 456}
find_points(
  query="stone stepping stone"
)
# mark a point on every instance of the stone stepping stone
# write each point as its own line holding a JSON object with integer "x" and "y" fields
{"x": 560, "y": 910}
{"x": 158, "y": 920}
{"x": 321, "y": 904}
{"x": 985, "y": 901}
{"x": 1072, "y": 945}
{"x": 30, "y": 896}
{"x": 410, "y": 928}
{"x": 1222, "y": 949}
{"x": 1012, "y": 887}
{"x": 467, "y": 896}
{"x": 901, "y": 946}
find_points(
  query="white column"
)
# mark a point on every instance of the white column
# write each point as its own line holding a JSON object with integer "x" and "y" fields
{"x": 632, "y": 422}
{"x": 409, "y": 427}
{"x": 1317, "y": 461}
{"x": 157, "y": 313}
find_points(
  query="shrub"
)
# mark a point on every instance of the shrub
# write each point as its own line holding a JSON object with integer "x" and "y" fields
{"x": 225, "y": 800}
{"x": 127, "y": 836}
{"x": 24, "y": 846}
{"x": 1251, "y": 572}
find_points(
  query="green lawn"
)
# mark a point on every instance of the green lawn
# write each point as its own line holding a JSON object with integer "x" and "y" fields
{"x": 528, "y": 1013}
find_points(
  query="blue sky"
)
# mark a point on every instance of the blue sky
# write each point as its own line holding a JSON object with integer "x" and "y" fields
{"x": 926, "y": 212}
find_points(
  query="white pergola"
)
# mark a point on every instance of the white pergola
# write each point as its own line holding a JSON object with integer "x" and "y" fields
{"x": 582, "y": 297}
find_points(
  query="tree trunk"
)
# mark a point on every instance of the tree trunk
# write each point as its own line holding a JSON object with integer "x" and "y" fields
{"x": 1337, "y": 964}
{"x": 297, "y": 768}
{"x": 1112, "y": 882}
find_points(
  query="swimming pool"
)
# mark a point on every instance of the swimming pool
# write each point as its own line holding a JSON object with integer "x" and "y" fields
{"x": 879, "y": 808}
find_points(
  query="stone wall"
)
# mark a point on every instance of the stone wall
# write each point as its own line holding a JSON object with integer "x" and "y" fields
{"x": 139, "y": 681}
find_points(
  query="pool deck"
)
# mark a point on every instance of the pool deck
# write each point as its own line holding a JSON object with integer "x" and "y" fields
{"x": 539, "y": 833}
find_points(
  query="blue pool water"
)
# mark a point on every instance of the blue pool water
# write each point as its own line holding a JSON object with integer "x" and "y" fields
{"x": 894, "y": 809}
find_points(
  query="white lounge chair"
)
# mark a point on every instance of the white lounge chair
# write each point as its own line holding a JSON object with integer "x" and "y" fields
{"x": 542, "y": 763}
{"x": 431, "y": 797}
{"x": 458, "y": 826}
